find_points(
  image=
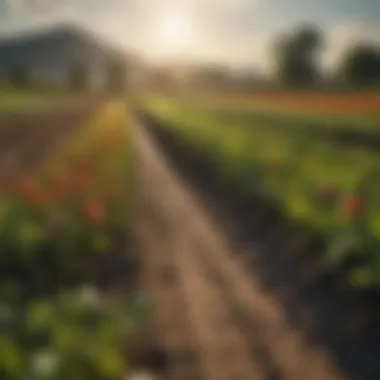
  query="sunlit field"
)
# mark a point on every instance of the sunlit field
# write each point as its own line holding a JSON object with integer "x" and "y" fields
{"x": 189, "y": 190}
{"x": 316, "y": 182}
{"x": 325, "y": 110}
{"x": 28, "y": 101}
{"x": 350, "y": 104}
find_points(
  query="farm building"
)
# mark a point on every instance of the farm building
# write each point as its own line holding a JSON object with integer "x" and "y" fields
{"x": 53, "y": 56}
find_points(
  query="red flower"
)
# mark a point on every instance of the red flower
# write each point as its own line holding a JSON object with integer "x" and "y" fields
{"x": 353, "y": 207}
{"x": 84, "y": 165}
{"x": 83, "y": 180}
{"x": 94, "y": 212}
{"x": 61, "y": 186}
{"x": 80, "y": 162}
{"x": 274, "y": 166}
{"x": 30, "y": 192}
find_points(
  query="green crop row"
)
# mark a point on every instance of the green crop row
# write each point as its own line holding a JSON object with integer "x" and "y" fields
{"x": 12, "y": 101}
{"x": 362, "y": 120}
{"x": 72, "y": 208}
{"x": 304, "y": 119}
{"x": 332, "y": 190}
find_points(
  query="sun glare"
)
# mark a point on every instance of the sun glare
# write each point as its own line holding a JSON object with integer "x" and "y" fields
{"x": 174, "y": 30}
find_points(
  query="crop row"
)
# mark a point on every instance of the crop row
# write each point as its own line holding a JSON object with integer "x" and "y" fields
{"x": 330, "y": 189}
{"x": 294, "y": 117}
{"x": 324, "y": 104}
{"x": 56, "y": 225}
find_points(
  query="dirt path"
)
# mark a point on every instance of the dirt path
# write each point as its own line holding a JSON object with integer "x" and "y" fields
{"x": 214, "y": 319}
{"x": 26, "y": 140}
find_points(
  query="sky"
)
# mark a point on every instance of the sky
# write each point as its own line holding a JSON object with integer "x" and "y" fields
{"x": 235, "y": 32}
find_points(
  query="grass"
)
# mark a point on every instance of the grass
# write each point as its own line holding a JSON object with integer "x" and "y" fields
{"x": 15, "y": 101}
{"x": 307, "y": 120}
{"x": 328, "y": 188}
{"x": 293, "y": 118}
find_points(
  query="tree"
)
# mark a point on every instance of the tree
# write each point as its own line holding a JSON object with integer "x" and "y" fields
{"x": 78, "y": 77}
{"x": 296, "y": 56}
{"x": 361, "y": 66}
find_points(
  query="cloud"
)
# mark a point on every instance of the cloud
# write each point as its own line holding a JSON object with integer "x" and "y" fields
{"x": 223, "y": 30}
{"x": 31, "y": 8}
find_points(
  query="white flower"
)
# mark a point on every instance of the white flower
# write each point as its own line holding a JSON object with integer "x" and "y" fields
{"x": 44, "y": 362}
{"x": 141, "y": 375}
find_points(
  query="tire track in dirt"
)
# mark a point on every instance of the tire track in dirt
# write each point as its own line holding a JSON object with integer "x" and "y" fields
{"x": 207, "y": 345}
{"x": 209, "y": 307}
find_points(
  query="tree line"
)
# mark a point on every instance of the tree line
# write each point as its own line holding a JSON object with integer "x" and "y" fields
{"x": 297, "y": 54}
{"x": 297, "y": 64}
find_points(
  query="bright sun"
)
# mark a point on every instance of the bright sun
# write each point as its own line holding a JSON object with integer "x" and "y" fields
{"x": 174, "y": 30}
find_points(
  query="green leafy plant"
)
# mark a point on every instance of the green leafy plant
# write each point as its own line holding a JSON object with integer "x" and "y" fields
{"x": 76, "y": 334}
{"x": 328, "y": 188}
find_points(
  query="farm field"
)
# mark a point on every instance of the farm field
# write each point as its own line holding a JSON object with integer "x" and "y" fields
{"x": 25, "y": 141}
{"x": 67, "y": 301}
{"x": 330, "y": 189}
{"x": 205, "y": 241}
{"x": 350, "y": 132}
{"x": 330, "y": 103}
{"x": 322, "y": 113}
{"x": 190, "y": 263}
{"x": 12, "y": 101}
{"x": 70, "y": 265}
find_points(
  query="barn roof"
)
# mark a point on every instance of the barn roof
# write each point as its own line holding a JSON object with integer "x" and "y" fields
{"x": 35, "y": 47}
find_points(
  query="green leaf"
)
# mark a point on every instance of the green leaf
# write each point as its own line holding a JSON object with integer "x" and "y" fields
{"x": 110, "y": 363}
{"x": 40, "y": 315}
{"x": 11, "y": 356}
{"x": 101, "y": 243}
{"x": 361, "y": 278}
{"x": 141, "y": 308}
{"x": 344, "y": 246}
{"x": 66, "y": 337}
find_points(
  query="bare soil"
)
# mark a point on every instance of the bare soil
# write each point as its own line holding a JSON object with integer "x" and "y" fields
{"x": 332, "y": 103}
{"x": 232, "y": 301}
{"x": 25, "y": 140}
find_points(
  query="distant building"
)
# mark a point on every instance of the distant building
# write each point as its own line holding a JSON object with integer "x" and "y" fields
{"x": 51, "y": 55}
